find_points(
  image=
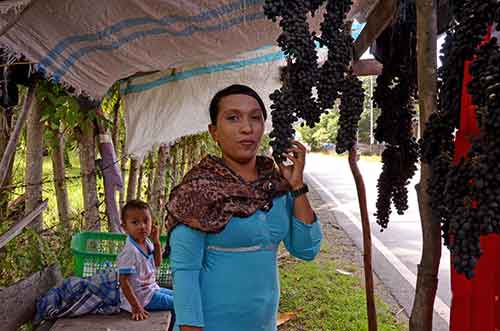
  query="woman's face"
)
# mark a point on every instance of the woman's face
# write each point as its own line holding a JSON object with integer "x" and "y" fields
{"x": 239, "y": 128}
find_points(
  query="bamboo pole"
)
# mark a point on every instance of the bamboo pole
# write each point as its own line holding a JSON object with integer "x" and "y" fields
{"x": 427, "y": 280}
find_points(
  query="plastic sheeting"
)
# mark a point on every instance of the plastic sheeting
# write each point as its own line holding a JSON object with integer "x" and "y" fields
{"x": 90, "y": 44}
{"x": 160, "y": 108}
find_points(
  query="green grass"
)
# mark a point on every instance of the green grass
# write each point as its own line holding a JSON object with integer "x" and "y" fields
{"x": 326, "y": 300}
{"x": 73, "y": 185}
{"x": 29, "y": 253}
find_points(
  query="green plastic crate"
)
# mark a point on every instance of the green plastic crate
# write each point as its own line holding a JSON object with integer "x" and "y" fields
{"x": 94, "y": 251}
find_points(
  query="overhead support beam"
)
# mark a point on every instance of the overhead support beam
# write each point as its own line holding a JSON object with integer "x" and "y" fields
{"x": 369, "y": 67}
{"x": 380, "y": 17}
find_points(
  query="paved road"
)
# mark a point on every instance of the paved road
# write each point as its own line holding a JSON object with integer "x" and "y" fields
{"x": 397, "y": 249}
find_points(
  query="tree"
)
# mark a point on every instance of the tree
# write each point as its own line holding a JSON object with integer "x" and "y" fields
{"x": 324, "y": 132}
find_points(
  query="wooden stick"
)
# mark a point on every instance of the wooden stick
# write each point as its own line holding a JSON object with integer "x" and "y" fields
{"x": 14, "y": 138}
{"x": 16, "y": 64}
{"x": 19, "y": 226}
{"x": 367, "y": 239}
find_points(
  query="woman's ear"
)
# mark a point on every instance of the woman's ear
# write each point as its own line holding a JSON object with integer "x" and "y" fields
{"x": 212, "y": 129}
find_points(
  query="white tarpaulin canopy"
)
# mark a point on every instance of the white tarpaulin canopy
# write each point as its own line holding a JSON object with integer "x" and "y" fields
{"x": 90, "y": 44}
{"x": 161, "y": 107}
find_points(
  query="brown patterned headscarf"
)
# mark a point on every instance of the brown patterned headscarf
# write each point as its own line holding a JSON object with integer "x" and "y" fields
{"x": 211, "y": 193}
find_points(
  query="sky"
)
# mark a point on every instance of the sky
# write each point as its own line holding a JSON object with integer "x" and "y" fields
{"x": 440, "y": 43}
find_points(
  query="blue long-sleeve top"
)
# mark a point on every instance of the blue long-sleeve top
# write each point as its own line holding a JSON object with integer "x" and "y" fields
{"x": 229, "y": 281}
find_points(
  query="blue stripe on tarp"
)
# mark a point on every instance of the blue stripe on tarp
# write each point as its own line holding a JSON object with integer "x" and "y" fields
{"x": 131, "y": 22}
{"x": 203, "y": 71}
{"x": 169, "y": 78}
{"x": 70, "y": 61}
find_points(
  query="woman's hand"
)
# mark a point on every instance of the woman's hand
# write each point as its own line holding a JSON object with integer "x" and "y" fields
{"x": 294, "y": 173}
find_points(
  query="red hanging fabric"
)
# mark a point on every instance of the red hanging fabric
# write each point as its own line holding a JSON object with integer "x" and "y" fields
{"x": 475, "y": 302}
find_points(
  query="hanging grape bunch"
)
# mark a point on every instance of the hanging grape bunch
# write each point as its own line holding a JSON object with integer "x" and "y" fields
{"x": 464, "y": 195}
{"x": 471, "y": 20}
{"x": 335, "y": 34}
{"x": 473, "y": 184}
{"x": 394, "y": 95}
{"x": 464, "y": 243}
{"x": 295, "y": 98}
{"x": 333, "y": 82}
{"x": 351, "y": 106}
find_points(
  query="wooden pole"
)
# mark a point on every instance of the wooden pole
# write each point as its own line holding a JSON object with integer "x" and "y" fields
{"x": 60, "y": 181}
{"x": 34, "y": 163}
{"x": 116, "y": 123}
{"x": 150, "y": 171}
{"x": 182, "y": 169}
{"x": 159, "y": 184}
{"x": 123, "y": 170}
{"x": 379, "y": 18}
{"x": 132, "y": 179}
{"x": 427, "y": 280}
{"x": 174, "y": 168}
{"x": 86, "y": 140}
{"x": 139, "y": 181}
{"x": 14, "y": 137}
{"x": 367, "y": 240}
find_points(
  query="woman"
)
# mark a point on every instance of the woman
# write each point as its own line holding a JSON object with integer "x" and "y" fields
{"x": 227, "y": 218}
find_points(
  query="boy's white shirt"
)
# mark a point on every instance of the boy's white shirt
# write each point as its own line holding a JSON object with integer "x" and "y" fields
{"x": 141, "y": 270}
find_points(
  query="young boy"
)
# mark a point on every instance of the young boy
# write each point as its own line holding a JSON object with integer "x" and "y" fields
{"x": 137, "y": 261}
